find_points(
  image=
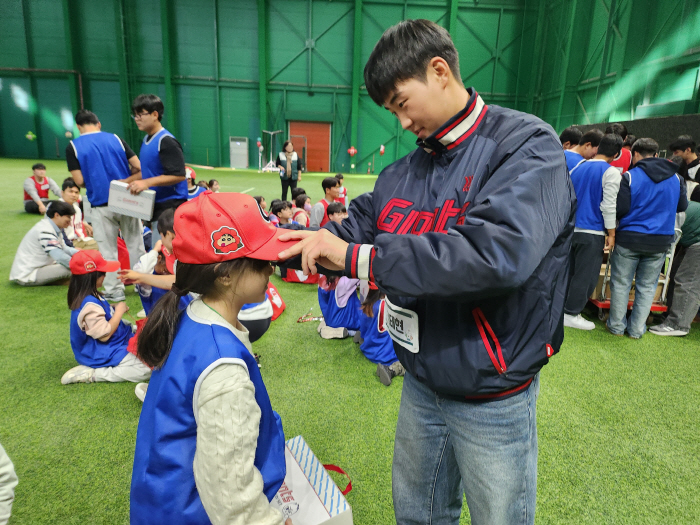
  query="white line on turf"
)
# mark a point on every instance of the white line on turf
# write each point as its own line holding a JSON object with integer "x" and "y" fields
{"x": 248, "y": 190}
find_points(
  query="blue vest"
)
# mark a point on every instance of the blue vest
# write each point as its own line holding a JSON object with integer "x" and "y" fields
{"x": 376, "y": 345}
{"x": 92, "y": 352}
{"x": 149, "y": 302}
{"x": 151, "y": 167}
{"x": 587, "y": 179}
{"x": 572, "y": 159}
{"x": 337, "y": 317}
{"x": 652, "y": 205}
{"x": 102, "y": 159}
{"x": 163, "y": 489}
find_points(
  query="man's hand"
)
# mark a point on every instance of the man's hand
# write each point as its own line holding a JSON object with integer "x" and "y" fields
{"x": 137, "y": 186}
{"x": 316, "y": 247}
{"x": 610, "y": 240}
{"x": 88, "y": 229}
{"x": 42, "y": 208}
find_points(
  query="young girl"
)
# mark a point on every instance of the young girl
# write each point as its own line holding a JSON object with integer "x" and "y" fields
{"x": 209, "y": 447}
{"x": 377, "y": 345}
{"x": 303, "y": 207}
{"x": 340, "y": 306}
{"x": 98, "y": 336}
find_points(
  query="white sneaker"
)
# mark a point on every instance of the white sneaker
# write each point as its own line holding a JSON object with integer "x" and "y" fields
{"x": 578, "y": 322}
{"x": 141, "y": 390}
{"x": 78, "y": 374}
{"x": 663, "y": 329}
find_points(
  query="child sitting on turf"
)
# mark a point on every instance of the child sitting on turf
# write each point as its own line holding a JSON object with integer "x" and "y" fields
{"x": 98, "y": 336}
{"x": 377, "y": 345}
{"x": 209, "y": 447}
{"x": 273, "y": 218}
{"x": 214, "y": 185}
{"x": 336, "y": 212}
{"x": 283, "y": 211}
{"x": 340, "y": 307}
{"x": 154, "y": 274}
{"x": 302, "y": 209}
{"x": 261, "y": 201}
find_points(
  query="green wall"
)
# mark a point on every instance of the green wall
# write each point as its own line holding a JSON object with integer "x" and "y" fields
{"x": 570, "y": 61}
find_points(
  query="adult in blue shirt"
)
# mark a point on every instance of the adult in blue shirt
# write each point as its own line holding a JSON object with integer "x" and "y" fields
{"x": 95, "y": 159}
{"x": 162, "y": 159}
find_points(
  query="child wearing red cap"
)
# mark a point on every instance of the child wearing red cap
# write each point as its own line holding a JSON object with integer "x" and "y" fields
{"x": 209, "y": 447}
{"x": 98, "y": 336}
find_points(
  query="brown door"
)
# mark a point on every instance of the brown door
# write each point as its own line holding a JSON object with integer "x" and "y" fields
{"x": 318, "y": 143}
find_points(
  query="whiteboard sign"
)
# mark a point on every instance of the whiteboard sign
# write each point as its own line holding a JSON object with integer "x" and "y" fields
{"x": 122, "y": 201}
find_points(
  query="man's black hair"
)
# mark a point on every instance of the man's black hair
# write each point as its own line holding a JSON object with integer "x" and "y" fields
{"x": 610, "y": 145}
{"x": 166, "y": 222}
{"x": 618, "y": 128}
{"x": 69, "y": 183}
{"x": 403, "y": 53}
{"x": 59, "y": 208}
{"x": 683, "y": 143}
{"x": 593, "y": 136}
{"x": 339, "y": 176}
{"x": 571, "y": 135}
{"x": 85, "y": 116}
{"x": 296, "y": 192}
{"x": 279, "y": 206}
{"x": 646, "y": 147}
{"x": 38, "y": 166}
{"x": 334, "y": 207}
{"x": 301, "y": 200}
{"x": 148, "y": 102}
{"x": 629, "y": 141}
{"x": 328, "y": 183}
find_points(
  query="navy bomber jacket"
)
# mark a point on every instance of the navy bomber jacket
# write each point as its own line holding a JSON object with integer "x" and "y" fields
{"x": 472, "y": 232}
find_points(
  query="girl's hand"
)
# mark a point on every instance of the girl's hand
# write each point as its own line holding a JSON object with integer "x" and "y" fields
{"x": 121, "y": 308}
{"x": 129, "y": 277}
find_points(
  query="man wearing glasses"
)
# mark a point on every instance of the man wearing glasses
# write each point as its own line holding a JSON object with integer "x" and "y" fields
{"x": 162, "y": 160}
{"x": 94, "y": 160}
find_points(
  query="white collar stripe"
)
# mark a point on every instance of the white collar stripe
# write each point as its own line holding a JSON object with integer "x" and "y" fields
{"x": 466, "y": 125}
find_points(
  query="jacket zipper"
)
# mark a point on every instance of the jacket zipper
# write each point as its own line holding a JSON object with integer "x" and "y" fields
{"x": 483, "y": 325}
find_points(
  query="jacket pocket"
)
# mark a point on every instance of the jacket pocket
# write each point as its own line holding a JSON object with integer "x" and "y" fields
{"x": 486, "y": 331}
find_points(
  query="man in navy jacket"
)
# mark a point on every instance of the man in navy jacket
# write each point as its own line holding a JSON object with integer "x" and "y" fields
{"x": 650, "y": 195}
{"x": 469, "y": 237}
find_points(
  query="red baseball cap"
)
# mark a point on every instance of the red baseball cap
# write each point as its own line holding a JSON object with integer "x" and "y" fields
{"x": 218, "y": 227}
{"x": 88, "y": 261}
{"x": 190, "y": 173}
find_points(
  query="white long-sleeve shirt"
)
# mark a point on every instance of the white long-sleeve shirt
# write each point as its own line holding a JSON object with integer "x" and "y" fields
{"x": 228, "y": 419}
{"x": 8, "y": 482}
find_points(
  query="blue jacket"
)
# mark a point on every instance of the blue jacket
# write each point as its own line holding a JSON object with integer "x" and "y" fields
{"x": 472, "y": 232}
{"x": 376, "y": 342}
{"x": 650, "y": 195}
{"x": 573, "y": 159}
{"x": 163, "y": 489}
{"x": 335, "y": 316}
{"x": 92, "y": 352}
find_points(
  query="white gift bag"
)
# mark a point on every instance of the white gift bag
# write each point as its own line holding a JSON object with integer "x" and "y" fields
{"x": 308, "y": 495}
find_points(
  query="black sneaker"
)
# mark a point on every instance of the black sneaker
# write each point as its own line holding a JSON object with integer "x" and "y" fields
{"x": 387, "y": 373}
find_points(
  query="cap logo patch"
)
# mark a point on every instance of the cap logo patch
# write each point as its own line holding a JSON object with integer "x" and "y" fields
{"x": 90, "y": 266}
{"x": 226, "y": 240}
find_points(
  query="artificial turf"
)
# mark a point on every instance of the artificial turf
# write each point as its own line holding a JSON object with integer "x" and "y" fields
{"x": 618, "y": 418}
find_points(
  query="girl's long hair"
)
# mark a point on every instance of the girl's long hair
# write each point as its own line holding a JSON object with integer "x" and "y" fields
{"x": 81, "y": 286}
{"x": 368, "y": 304}
{"x": 156, "y": 338}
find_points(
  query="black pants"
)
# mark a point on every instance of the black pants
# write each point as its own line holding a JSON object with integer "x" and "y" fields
{"x": 286, "y": 184}
{"x": 678, "y": 257}
{"x": 33, "y": 207}
{"x": 256, "y": 328}
{"x": 585, "y": 259}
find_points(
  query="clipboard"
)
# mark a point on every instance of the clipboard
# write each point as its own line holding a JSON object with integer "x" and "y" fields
{"x": 122, "y": 201}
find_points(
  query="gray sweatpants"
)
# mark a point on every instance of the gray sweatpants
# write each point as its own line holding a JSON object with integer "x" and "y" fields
{"x": 130, "y": 369}
{"x": 686, "y": 294}
{"x": 48, "y": 274}
{"x": 106, "y": 225}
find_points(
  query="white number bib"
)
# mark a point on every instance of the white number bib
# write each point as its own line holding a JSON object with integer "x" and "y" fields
{"x": 402, "y": 325}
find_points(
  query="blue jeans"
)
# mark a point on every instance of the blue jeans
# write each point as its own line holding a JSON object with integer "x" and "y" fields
{"x": 444, "y": 446}
{"x": 644, "y": 269}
